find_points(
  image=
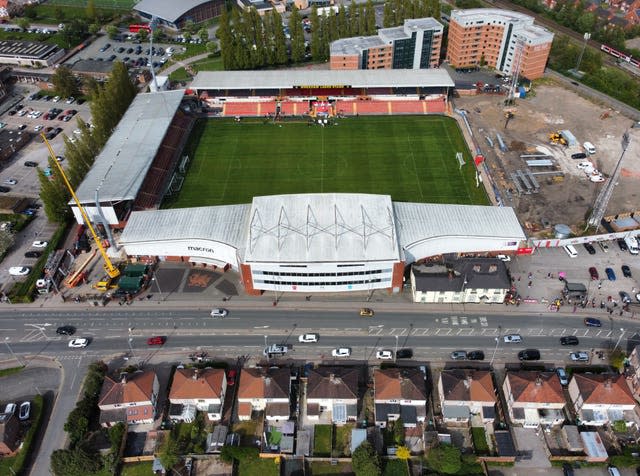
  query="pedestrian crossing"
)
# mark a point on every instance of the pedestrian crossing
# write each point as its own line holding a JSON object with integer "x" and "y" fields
{"x": 491, "y": 332}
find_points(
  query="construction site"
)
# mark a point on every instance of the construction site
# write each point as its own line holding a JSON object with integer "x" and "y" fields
{"x": 535, "y": 151}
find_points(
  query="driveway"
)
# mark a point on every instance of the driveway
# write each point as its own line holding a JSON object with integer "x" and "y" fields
{"x": 532, "y": 447}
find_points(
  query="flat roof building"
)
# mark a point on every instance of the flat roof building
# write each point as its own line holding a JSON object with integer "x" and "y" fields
{"x": 29, "y": 53}
{"x": 175, "y": 14}
{"x": 502, "y": 39}
{"x": 415, "y": 45}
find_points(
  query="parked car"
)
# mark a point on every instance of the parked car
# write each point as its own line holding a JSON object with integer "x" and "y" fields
{"x": 78, "y": 343}
{"x": 569, "y": 340}
{"x": 512, "y": 338}
{"x": 231, "y": 377}
{"x": 589, "y": 247}
{"x": 366, "y": 312}
{"x": 611, "y": 275}
{"x": 404, "y": 354}
{"x": 25, "y": 411}
{"x": 562, "y": 375}
{"x": 579, "y": 356}
{"x": 30, "y": 163}
{"x": 66, "y": 330}
{"x": 567, "y": 470}
{"x": 458, "y": 355}
{"x": 593, "y": 272}
{"x": 626, "y": 271}
{"x": 310, "y": 338}
{"x": 624, "y": 296}
{"x": 579, "y": 155}
{"x": 275, "y": 349}
{"x": 10, "y": 408}
{"x": 19, "y": 270}
{"x": 603, "y": 246}
{"x": 39, "y": 244}
{"x": 475, "y": 355}
{"x": 384, "y": 354}
{"x": 341, "y": 352}
{"x": 529, "y": 354}
{"x": 592, "y": 322}
{"x": 622, "y": 245}
{"x": 219, "y": 313}
{"x": 157, "y": 340}
{"x": 4, "y": 189}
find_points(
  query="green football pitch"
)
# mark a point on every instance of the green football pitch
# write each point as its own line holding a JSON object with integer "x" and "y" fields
{"x": 109, "y": 4}
{"x": 411, "y": 158}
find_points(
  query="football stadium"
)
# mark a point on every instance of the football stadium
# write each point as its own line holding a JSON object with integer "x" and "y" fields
{"x": 318, "y": 181}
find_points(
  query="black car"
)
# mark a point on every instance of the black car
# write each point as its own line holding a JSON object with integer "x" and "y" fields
{"x": 567, "y": 470}
{"x": 404, "y": 354}
{"x": 112, "y": 57}
{"x": 66, "y": 330}
{"x": 30, "y": 163}
{"x": 626, "y": 271}
{"x": 579, "y": 155}
{"x": 589, "y": 247}
{"x": 529, "y": 354}
{"x": 569, "y": 340}
{"x": 4, "y": 189}
{"x": 624, "y": 296}
{"x": 12, "y": 113}
{"x": 80, "y": 101}
{"x": 622, "y": 245}
{"x": 33, "y": 254}
{"x": 475, "y": 355}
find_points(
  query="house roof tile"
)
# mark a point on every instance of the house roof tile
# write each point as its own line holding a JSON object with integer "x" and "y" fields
{"x": 602, "y": 389}
{"x": 333, "y": 383}
{"x": 399, "y": 384}
{"x": 264, "y": 383}
{"x": 134, "y": 388}
{"x": 468, "y": 385}
{"x": 535, "y": 387}
{"x": 195, "y": 383}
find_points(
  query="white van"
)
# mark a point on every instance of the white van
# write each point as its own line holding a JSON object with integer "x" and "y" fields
{"x": 632, "y": 244}
{"x": 589, "y": 147}
{"x": 571, "y": 251}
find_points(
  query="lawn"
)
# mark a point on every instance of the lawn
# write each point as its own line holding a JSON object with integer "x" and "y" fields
{"x": 342, "y": 440}
{"x": 322, "y": 440}
{"x": 411, "y": 158}
{"x": 480, "y": 441}
{"x": 137, "y": 469}
{"x": 259, "y": 466}
{"x": 322, "y": 468}
{"x": 395, "y": 467}
{"x": 108, "y": 4}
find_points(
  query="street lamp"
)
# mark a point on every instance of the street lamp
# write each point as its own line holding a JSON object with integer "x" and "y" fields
{"x": 6, "y": 341}
{"x": 619, "y": 339}
{"x": 497, "y": 344}
{"x": 155, "y": 280}
{"x": 266, "y": 345}
{"x": 395, "y": 355}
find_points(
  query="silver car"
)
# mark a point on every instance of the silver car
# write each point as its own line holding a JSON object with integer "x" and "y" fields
{"x": 458, "y": 355}
{"x": 513, "y": 338}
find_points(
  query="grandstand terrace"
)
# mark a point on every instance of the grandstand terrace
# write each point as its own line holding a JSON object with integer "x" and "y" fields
{"x": 299, "y": 92}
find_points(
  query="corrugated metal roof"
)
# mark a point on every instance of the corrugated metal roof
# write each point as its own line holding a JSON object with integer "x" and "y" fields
{"x": 420, "y": 221}
{"x": 434, "y": 77}
{"x": 168, "y": 10}
{"x": 321, "y": 227}
{"x": 226, "y": 224}
{"x": 121, "y": 167}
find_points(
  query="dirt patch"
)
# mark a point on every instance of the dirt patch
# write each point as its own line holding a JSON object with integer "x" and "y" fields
{"x": 566, "y": 199}
{"x": 212, "y": 467}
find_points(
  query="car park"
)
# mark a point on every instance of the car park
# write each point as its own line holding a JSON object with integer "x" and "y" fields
{"x": 529, "y": 354}
{"x": 366, "y": 312}
{"x": 624, "y": 296}
{"x": 25, "y": 411}
{"x": 562, "y": 375}
{"x": 626, "y": 271}
{"x": 579, "y": 356}
{"x": 611, "y": 275}
{"x": 309, "y": 338}
{"x": 592, "y": 322}
{"x": 458, "y": 355}
{"x": 219, "y": 313}
{"x": 341, "y": 352}
{"x": 156, "y": 340}
{"x": 512, "y": 338}
{"x": 19, "y": 270}
{"x": 569, "y": 340}
{"x": 66, "y": 330}
{"x": 78, "y": 343}
{"x": 384, "y": 354}
{"x": 475, "y": 355}
{"x": 593, "y": 272}
{"x": 404, "y": 354}
{"x": 39, "y": 244}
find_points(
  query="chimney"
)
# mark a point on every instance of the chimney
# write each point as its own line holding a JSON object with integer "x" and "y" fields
{"x": 195, "y": 374}
{"x": 123, "y": 377}
{"x": 608, "y": 382}
{"x": 538, "y": 381}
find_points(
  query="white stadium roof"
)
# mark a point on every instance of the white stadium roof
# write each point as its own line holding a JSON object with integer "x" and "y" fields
{"x": 418, "y": 222}
{"x": 121, "y": 167}
{"x": 225, "y": 224}
{"x": 361, "y": 78}
{"x": 168, "y": 10}
{"x": 321, "y": 227}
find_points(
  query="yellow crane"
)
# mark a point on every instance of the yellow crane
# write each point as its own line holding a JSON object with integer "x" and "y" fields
{"x": 111, "y": 270}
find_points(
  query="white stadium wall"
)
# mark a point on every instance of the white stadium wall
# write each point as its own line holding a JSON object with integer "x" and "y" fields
{"x": 198, "y": 250}
{"x": 435, "y": 246}
{"x": 108, "y": 212}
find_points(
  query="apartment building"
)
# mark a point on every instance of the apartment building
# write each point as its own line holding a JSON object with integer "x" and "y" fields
{"x": 500, "y": 39}
{"x": 415, "y": 45}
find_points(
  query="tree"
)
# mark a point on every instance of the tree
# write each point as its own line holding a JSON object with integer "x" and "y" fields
{"x": 226, "y": 41}
{"x": 112, "y": 31}
{"x": 203, "y": 34}
{"x": 23, "y": 23}
{"x": 58, "y": 14}
{"x": 79, "y": 461}
{"x": 143, "y": 34}
{"x": 30, "y": 12}
{"x": 64, "y": 82}
{"x": 370, "y": 18}
{"x": 444, "y": 459}
{"x": 365, "y": 461}
{"x": 94, "y": 28}
{"x": 316, "y": 38}
{"x": 297, "y": 35}
{"x": 388, "y": 15}
{"x": 211, "y": 47}
{"x": 169, "y": 455}
{"x": 280, "y": 41}
{"x": 398, "y": 431}
{"x": 90, "y": 10}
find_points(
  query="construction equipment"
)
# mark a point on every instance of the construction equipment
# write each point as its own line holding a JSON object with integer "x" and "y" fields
{"x": 556, "y": 138}
{"x": 111, "y": 270}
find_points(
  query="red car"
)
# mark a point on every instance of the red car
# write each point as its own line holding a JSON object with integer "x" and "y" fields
{"x": 157, "y": 340}
{"x": 231, "y": 378}
{"x": 593, "y": 272}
